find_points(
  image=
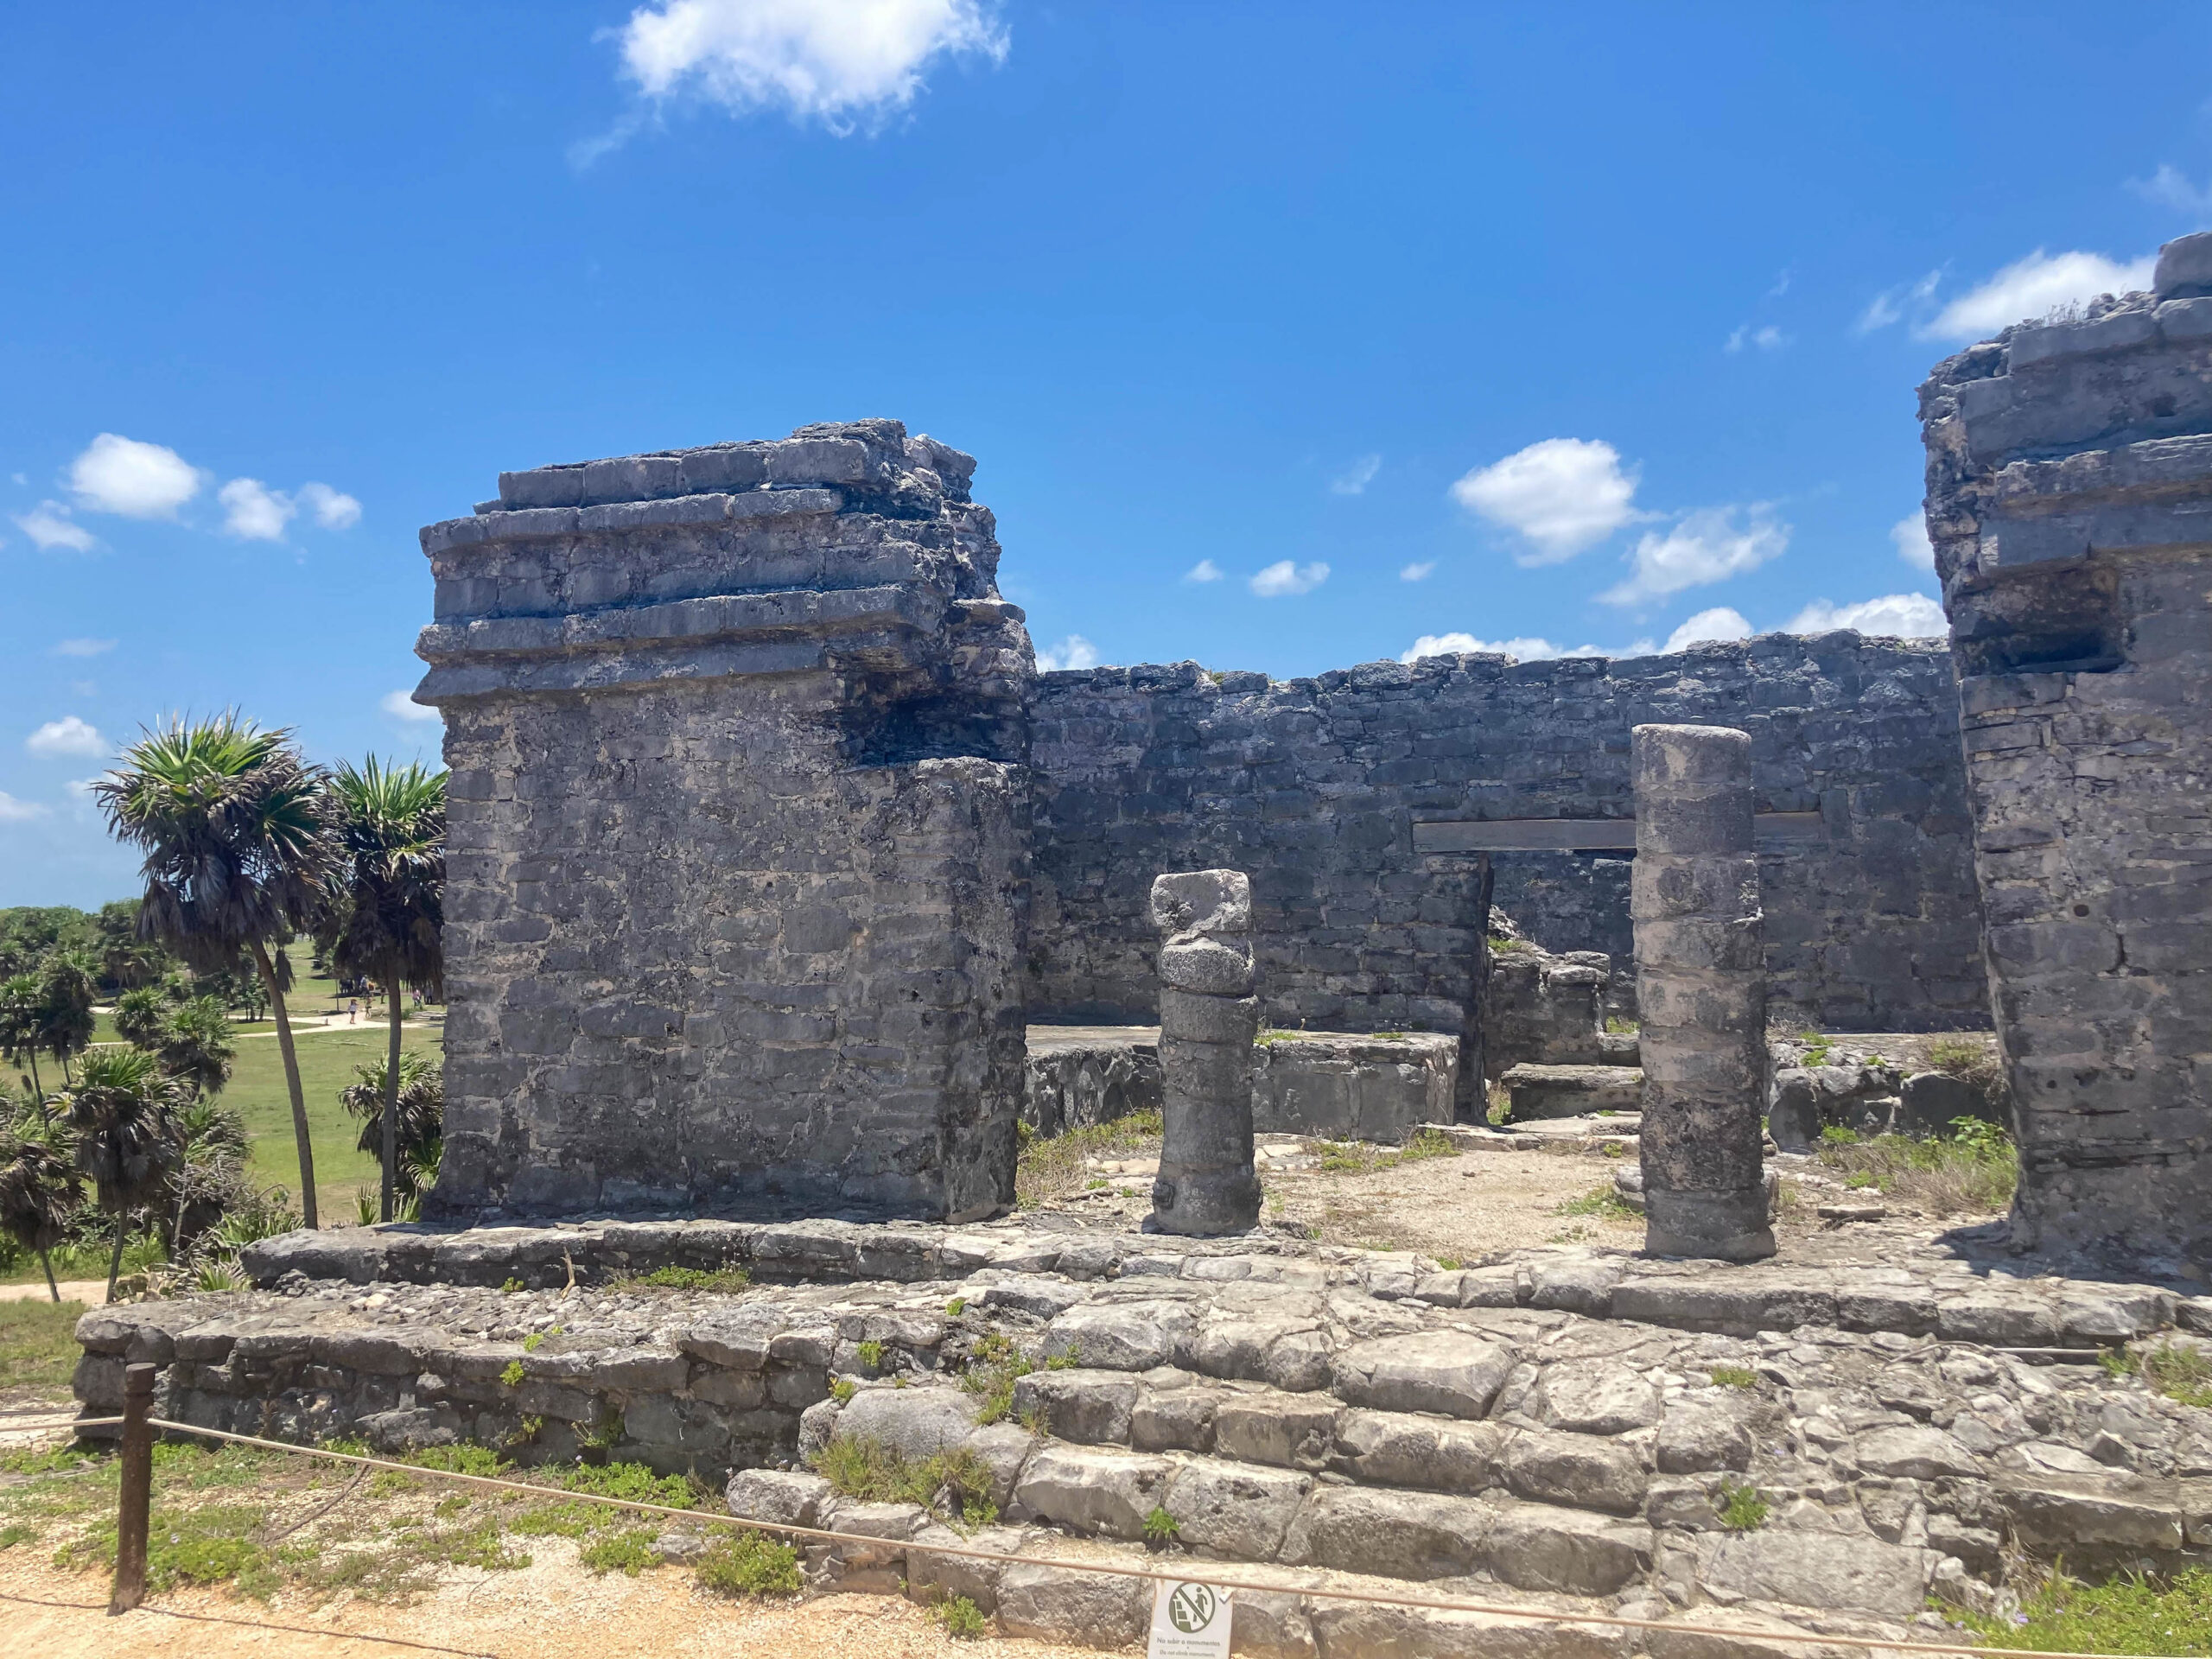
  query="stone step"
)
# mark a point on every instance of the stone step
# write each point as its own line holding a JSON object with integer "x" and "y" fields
{"x": 1540, "y": 1091}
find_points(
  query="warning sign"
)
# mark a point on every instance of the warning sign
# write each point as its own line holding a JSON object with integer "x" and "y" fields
{"x": 1189, "y": 1621}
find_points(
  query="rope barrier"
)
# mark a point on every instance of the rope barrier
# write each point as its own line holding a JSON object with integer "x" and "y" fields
{"x": 1435, "y": 1604}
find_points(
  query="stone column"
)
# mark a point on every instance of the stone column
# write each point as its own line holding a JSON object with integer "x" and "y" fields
{"x": 1208, "y": 1017}
{"x": 1702, "y": 987}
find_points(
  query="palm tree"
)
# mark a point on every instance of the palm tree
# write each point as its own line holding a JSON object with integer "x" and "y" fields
{"x": 391, "y": 820}
{"x": 40, "y": 1194}
{"x": 123, "y": 1113}
{"x": 21, "y": 1017}
{"x": 68, "y": 986}
{"x": 212, "y": 1145}
{"x": 142, "y": 1015}
{"x": 236, "y": 831}
{"x": 416, "y": 1109}
{"x": 195, "y": 1046}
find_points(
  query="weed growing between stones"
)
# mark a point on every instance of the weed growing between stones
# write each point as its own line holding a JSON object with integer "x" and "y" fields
{"x": 2131, "y": 1614}
{"x": 2179, "y": 1371}
{"x": 1621, "y": 1026}
{"x": 512, "y": 1286}
{"x": 1159, "y": 1528}
{"x": 721, "y": 1279}
{"x": 871, "y": 1353}
{"x": 961, "y": 1618}
{"x": 1733, "y": 1376}
{"x": 1742, "y": 1508}
{"x": 843, "y": 1389}
{"x": 535, "y": 1339}
{"x": 994, "y": 1365}
{"x": 955, "y": 1485}
{"x": 512, "y": 1377}
{"x": 749, "y": 1563}
{"x": 1602, "y": 1201}
{"x": 955, "y": 1307}
{"x": 1362, "y": 1158}
{"x": 1971, "y": 1171}
{"x": 1051, "y": 1166}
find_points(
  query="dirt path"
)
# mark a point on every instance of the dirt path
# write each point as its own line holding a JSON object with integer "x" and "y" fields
{"x": 554, "y": 1609}
{"x": 93, "y": 1293}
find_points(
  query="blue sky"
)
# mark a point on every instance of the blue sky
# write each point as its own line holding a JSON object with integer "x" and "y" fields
{"x": 1558, "y": 326}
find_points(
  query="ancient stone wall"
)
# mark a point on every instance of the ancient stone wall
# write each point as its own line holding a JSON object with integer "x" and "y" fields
{"x": 2069, "y": 500}
{"x": 738, "y": 834}
{"x": 1331, "y": 792}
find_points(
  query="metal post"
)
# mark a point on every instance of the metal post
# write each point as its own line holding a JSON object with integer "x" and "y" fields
{"x": 130, "y": 1527}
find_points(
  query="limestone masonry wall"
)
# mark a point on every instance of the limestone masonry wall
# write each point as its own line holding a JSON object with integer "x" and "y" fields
{"x": 1316, "y": 787}
{"x": 738, "y": 834}
{"x": 2069, "y": 500}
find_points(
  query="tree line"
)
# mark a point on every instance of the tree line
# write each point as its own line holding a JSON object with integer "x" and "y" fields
{"x": 247, "y": 848}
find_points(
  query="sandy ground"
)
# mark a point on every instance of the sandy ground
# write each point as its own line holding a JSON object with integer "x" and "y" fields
{"x": 93, "y": 1293}
{"x": 552, "y": 1609}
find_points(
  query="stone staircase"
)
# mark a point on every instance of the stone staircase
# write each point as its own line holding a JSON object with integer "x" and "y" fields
{"x": 1827, "y": 1443}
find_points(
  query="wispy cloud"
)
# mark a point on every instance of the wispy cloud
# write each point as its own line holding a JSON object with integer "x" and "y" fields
{"x": 1284, "y": 577}
{"x": 849, "y": 65}
{"x": 2170, "y": 187}
{"x": 83, "y": 647}
{"x": 1560, "y": 496}
{"x": 401, "y": 705}
{"x": 1204, "y": 570}
{"x": 2037, "y": 286}
{"x": 68, "y": 735}
{"x": 1908, "y": 616}
{"x": 1355, "y": 479}
{"x": 332, "y": 509}
{"x": 14, "y": 812}
{"x": 1765, "y": 339}
{"x": 49, "y": 525}
{"x": 1418, "y": 572}
{"x": 1074, "y": 651}
{"x": 1527, "y": 649}
{"x": 1708, "y": 545}
{"x": 1892, "y": 303}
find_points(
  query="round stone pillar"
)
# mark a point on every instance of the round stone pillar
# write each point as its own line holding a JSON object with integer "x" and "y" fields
{"x": 1208, "y": 1018}
{"x": 1700, "y": 970}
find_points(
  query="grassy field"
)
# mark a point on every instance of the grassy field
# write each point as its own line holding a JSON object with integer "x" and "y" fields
{"x": 327, "y": 1062}
{"x": 38, "y": 1347}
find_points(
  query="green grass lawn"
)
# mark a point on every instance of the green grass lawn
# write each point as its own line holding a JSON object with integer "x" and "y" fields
{"x": 38, "y": 1345}
{"x": 326, "y": 1061}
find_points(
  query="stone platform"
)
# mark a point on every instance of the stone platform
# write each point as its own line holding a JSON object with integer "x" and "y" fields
{"x": 1562, "y": 1424}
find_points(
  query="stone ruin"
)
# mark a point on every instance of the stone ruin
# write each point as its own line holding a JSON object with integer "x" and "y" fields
{"x": 768, "y": 845}
{"x": 2069, "y": 501}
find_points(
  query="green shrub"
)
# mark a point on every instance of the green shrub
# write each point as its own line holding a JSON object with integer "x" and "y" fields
{"x": 514, "y": 1374}
{"x": 955, "y": 1307}
{"x": 512, "y": 1286}
{"x": 2179, "y": 1373}
{"x": 1742, "y": 1509}
{"x": 843, "y": 1389}
{"x": 629, "y": 1552}
{"x": 961, "y": 1618}
{"x": 871, "y": 1353}
{"x": 876, "y": 1473}
{"x": 719, "y": 1279}
{"x": 2130, "y": 1614}
{"x": 750, "y": 1564}
{"x": 1160, "y": 1528}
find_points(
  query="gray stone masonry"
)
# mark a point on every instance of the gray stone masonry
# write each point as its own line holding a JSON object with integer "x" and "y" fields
{"x": 1208, "y": 1017}
{"x": 1543, "y": 1010}
{"x": 738, "y": 834}
{"x": 2069, "y": 501}
{"x": 1702, "y": 987}
{"x": 1378, "y": 1088}
{"x": 1563, "y": 1423}
{"x": 1321, "y": 789}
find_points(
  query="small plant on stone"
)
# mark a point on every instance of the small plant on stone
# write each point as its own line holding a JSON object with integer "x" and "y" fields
{"x": 1159, "y": 1528}
{"x": 1816, "y": 1051}
{"x": 1836, "y": 1135}
{"x": 1863, "y": 1180}
{"x": 871, "y": 1353}
{"x": 1066, "y": 1361}
{"x": 1449, "y": 1263}
{"x": 512, "y": 1376}
{"x": 961, "y": 1618}
{"x": 1742, "y": 1509}
{"x": 750, "y": 1564}
{"x": 527, "y": 1431}
{"x": 955, "y": 1307}
{"x": 1510, "y": 944}
{"x": 513, "y": 1286}
{"x": 994, "y": 1365}
{"x": 2119, "y": 1362}
{"x": 719, "y": 1279}
{"x": 843, "y": 1389}
{"x": 1733, "y": 1376}
{"x": 1619, "y": 1025}
{"x": 2181, "y": 1373}
{"x": 603, "y": 1433}
{"x": 535, "y": 1339}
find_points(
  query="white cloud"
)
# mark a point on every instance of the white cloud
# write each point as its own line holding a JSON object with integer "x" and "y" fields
{"x": 83, "y": 647}
{"x": 1527, "y": 650}
{"x": 1074, "y": 651}
{"x": 135, "y": 480}
{"x": 14, "y": 812}
{"x": 1706, "y": 546}
{"x": 1417, "y": 572}
{"x": 846, "y": 63}
{"x": 332, "y": 509}
{"x": 1909, "y": 533}
{"x": 401, "y": 705}
{"x": 49, "y": 524}
{"x": 1357, "y": 476}
{"x": 253, "y": 510}
{"x": 1204, "y": 570}
{"x": 2170, "y": 187}
{"x": 2035, "y": 287}
{"x": 1768, "y": 339}
{"x": 1910, "y": 616}
{"x": 1562, "y": 495}
{"x": 1892, "y": 303}
{"x": 1719, "y": 623}
{"x": 68, "y": 735}
{"x": 1284, "y": 577}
